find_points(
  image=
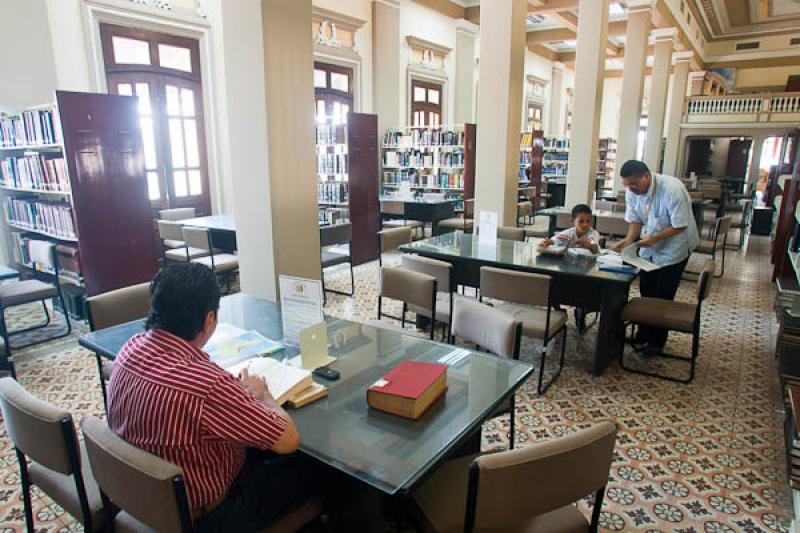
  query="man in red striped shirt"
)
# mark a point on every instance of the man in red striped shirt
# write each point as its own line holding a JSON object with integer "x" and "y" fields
{"x": 167, "y": 397}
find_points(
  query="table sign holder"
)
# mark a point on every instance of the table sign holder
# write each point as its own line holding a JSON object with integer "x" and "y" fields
{"x": 301, "y": 306}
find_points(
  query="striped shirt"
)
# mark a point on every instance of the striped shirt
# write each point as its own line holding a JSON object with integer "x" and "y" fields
{"x": 166, "y": 396}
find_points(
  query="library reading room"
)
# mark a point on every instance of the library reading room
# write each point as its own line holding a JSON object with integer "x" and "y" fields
{"x": 400, "y": 266}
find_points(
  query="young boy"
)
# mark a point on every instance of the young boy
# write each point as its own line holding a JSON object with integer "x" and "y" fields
{"x": 581, "y": 234}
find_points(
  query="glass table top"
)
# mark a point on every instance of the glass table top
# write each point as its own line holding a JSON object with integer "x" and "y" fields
{"x": 382, "y": 450}
{"x": 420, "y": 200}
{"x": 511, "y": 254}
{"x": 215, "y": 222}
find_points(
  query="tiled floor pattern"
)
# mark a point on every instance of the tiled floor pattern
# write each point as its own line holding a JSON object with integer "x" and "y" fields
{"x": 704, "y": 457}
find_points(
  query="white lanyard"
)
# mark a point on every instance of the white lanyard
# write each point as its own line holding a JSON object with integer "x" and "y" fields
{"x": 649, "y": 206}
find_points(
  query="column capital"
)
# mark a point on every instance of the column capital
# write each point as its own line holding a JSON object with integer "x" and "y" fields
{"x": 697, "y": 74}
{"x": 467, "y": 27}
{"x": 558, "y": 66}
{"x": 664, "y": 35}
{"x": 388, "y": 3}
{"x": 682, "y": 57}
{"x": 638, "y": 6}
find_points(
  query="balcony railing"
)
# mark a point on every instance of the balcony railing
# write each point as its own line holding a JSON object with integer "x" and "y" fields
{"x": 743, "y": 108}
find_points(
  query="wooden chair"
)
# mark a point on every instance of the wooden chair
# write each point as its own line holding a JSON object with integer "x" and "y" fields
{"x": 682, "y": 317}
{"x": 173, "y": 244}
{"x": 389, "y": 240}
{"x": 531, "y": 489}
{"x": 45, "y": 285}
{"x": 511, "y": 234}
{"x": 524, "y": 212}
{"x": 111, "y": 309}
{"x": 46, "y": 436}
{"x": 337, "y": 235}
{"x": 396, "y": 210}
{"x": 411, "y": 288}
{"x": 178, "y": 213}
{"x": 151, "y": 492}
{"x": 445, "y": 284}
{"x": 526, "y": 296}
{"x": 611, "y": 227}
{"x": 716, "y": 244}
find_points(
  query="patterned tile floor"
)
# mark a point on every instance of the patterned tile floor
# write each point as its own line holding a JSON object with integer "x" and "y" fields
{"x": 704, "y": 457}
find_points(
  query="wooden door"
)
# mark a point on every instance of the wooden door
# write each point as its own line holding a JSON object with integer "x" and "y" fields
{"x": 738, "y": 158}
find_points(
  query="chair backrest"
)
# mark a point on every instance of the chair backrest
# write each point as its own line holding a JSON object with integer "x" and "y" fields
{"x": 414, "y": 288}
{"x": 119, "y": 306}
{"x": 178, "y": 213}
{"x": 530, "y": 193}
{"x": 511, "y": 234}
{"x": 524, "y": 209}
{"x": 393, "y": 207}
{"x": 606, "y": 225}
{"x": 555, "y": 473}
{"x": 469, "y": 208}
{"x": 42, "y": 253}
{"x": 441, "y": 270}
{"x": 516, "y": 287}
{"x": 563, "y": 220}
{"x": 38, "y": 429}
{"x": 391, "y": 239}
{"x": 696, "y": 195}
{"x": 335, "y": 234}
{"x": 196, "y": 237}
{"x": 143, "y": 485}
{"x": 721, "y": 229}
{"x": 170, "y": 230}
{"x": 705, "y": 280}
{"x": 488, "y": 327}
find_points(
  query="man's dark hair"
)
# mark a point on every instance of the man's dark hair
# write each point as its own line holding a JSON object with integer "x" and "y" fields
{"x": 181, "y": 296}
{"x": 580, "y": 209}
{"x": 633, "y": 168}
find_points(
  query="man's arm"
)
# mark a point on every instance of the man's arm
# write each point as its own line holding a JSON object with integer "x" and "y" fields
{"x": 680, "y": 216}
{"x": 290, "y": 439}
{"x": 662, "y": 235}
{"x": 634, "y": 230}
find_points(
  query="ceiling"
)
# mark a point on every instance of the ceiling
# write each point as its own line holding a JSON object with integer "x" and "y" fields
{"x": 741, "y": 18}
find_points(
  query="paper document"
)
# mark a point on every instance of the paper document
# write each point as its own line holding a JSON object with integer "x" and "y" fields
{"x": 487, "y": 228}
{"x": 230, "y": 345}
{"x": 630, "y": 254}
{"x": 554, "y": 249}
{"x": 301, "y": 306}
{"x": 284, "y": 381}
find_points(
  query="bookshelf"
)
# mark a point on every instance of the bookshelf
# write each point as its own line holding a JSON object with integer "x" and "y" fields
{"x": 606, "y": 162}
{"x": 531, "y": 157}
{"x": 430, "y": 159}
{"x": 555, "y": 166}
{"x": 100, "y": 223}
{"x": 347, "y": 178}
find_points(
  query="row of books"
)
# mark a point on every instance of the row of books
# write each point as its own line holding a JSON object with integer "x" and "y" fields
{"x": 331, "y": 134}
{"x": 335, "y": 163}
{"x": 67, "y": 255}
{"x": 54, "y": 218}
{"x": 29, "y": 128}
{"x": 35, "y": 172}
{"x": 443, "y": 180}
{"x": 418, "y": 158}
{"x": 556, "y": 143}
{"x": 422, "y": 137}
{"x": 556, "y": 156}
{"x": 526, "y": 139}
{"x": 332, "y": 193}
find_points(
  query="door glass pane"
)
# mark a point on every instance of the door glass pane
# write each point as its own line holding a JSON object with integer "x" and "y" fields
{"x": 173, "y": 103}
{"x": 337, "y": 113}
{"x": 149, "y": 141}
{"x": 320, "y": 111}
{"x": 143, "y": 92}
{"x": 152, "y": 186}
{"x": 433, "y": 96}
{"x": 176, "y": 143}
{"x": 179, "y": 181}
{"x": 319, "y": 79}
{"x": 192, "y": 151}
{"x": 340, "y": 82}
{"x": 195, "y": 183}
{"x": 130, "y": 51}
{"x": 187, "y": 100}
{"x": 419, "y": 94}
{"x": 124, "y": 89}
{"x": 175, "y": 57}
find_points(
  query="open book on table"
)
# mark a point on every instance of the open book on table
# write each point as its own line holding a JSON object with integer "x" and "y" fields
{"x": 285, "y": 382}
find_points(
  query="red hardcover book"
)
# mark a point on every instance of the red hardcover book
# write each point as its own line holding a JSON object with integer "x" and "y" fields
{"x": 409, "y": 389}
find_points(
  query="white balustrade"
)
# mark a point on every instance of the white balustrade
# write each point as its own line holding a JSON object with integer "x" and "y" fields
{"x": 767, "y": 107}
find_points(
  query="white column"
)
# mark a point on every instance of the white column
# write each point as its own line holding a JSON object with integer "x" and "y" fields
{"x": 755, "y": 160}
{"x": 466, "y": 33}
{"x": 659, "y": 84}
{"x": 555, "y": 118}
{"x": 502, "y": 42}
{"x": 680, "y": 78}
{"x": 633, "y": 75}
{"x": 589, "y": 80}
{"x": 386, "y": 64}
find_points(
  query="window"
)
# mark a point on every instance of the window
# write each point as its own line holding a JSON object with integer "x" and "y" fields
{"x": 333, "y": 91}
{"x": 426, "y": 103}
{"x": 534, "y": 116}
{"x": 163, "y": 71}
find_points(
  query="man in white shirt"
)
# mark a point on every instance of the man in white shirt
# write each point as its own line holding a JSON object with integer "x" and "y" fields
{"x": 658, "y": 211}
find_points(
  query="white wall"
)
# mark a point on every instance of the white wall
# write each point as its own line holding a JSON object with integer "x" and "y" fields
{"x": 27, "y": 68}
{"x": 612, "y": 102}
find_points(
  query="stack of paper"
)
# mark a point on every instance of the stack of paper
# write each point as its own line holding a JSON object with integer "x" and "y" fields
{"x": 230, "y": 345}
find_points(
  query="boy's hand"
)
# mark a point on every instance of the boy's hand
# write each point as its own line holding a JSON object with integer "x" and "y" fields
{"x": 547, "y": 242}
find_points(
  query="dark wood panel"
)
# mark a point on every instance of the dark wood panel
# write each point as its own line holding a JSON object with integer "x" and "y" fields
{"x": 470, "y": 150}
{"x": 786, "y": 225}
{"x": 103, "y": 148}
{"x": 738, "y": 158}
{"x": 537, "y": 160}
{"x": 362, "y": 138}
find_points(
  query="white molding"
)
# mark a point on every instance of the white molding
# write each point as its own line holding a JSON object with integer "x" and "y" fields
{"x": 345, "y": 22}
{"x": 664, "y": 34}
{"x": 468, "y": 28}
{"x": 389, "y": 3}
{"x": 682, "y": 56}
{"x": 748, "y": 56}
{"x": 422, "y": 44}
{"x": 149, "y": 12}
{"x": 420, "y": 73}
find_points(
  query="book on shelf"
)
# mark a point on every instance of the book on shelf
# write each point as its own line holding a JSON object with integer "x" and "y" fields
{"x": 36, "y": 172}
{"x": 29, "y": 213}
{"x": 285, "y": 382}
{"x": 412, "y": 137}
{"x": 409, "y": 389}
{"x": 29, "y": 128}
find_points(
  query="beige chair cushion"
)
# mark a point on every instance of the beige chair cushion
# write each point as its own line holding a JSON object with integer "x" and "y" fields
{"x": 331, "y": 258}
{"x": 391, "y": 239}
{"x": 401, "y": 223}
{"x": 457, "y": 223}
{"x": 442, "y": 308}
{"x": 676, "y": 316}
{"x": 540, "y": 228}
{"x": 705, "y": 246}
{"x": 413, "y": 288}
{"x": 534, "y": 319}
{"x": 486, "y": 326}
{"x": 29, "y": 290}
{"x": 511, "y": 233}
{"x": 61, "y": 489}
{"x": 222, "y": 262}
{"x": 170, "y": 243}
{"x": 125, "y": 523}
{"x": 177, "y": 213}
{"x": 180, "y": 254}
